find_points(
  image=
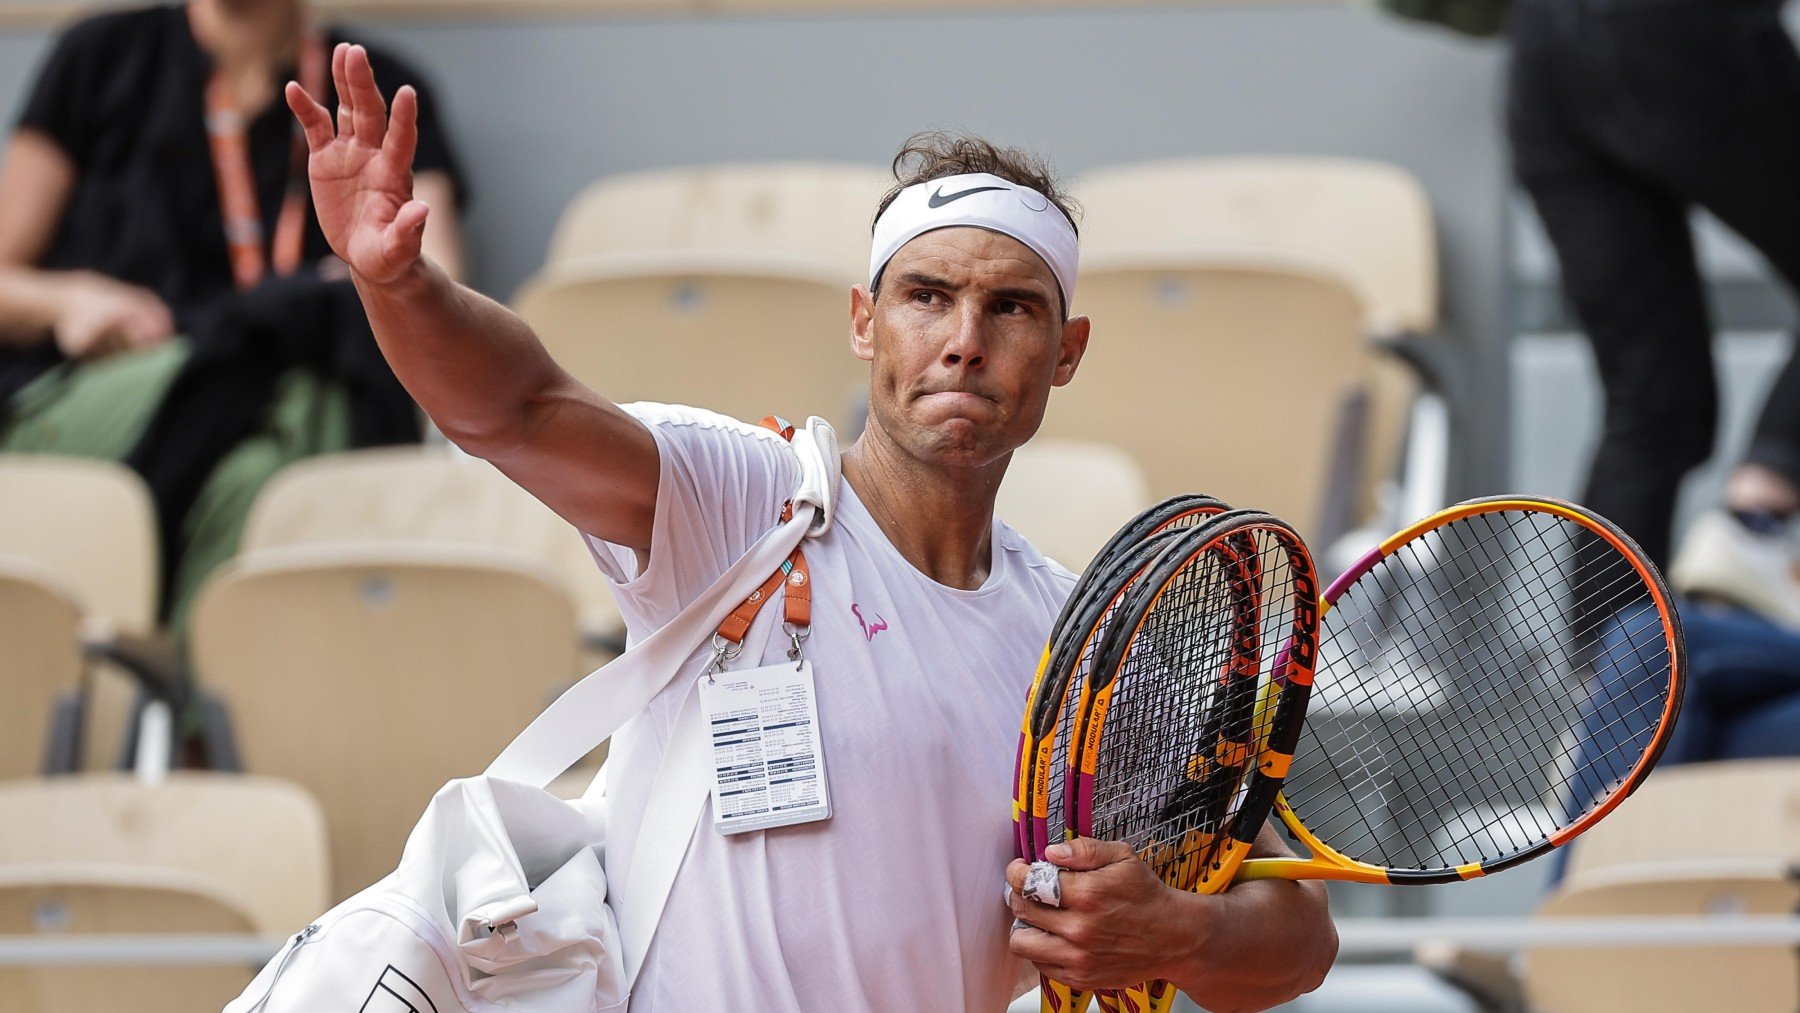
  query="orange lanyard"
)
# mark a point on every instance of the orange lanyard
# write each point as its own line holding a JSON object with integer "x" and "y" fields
{"x": 797, "y": 603}
{"x": 229, "y": 137}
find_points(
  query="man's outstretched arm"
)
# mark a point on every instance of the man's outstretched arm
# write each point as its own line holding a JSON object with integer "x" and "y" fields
{"x": 1256, "y": 945}
{"x": 474, "y": 366}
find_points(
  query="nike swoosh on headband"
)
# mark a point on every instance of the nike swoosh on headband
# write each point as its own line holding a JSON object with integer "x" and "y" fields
{"x": 938, "y": 199}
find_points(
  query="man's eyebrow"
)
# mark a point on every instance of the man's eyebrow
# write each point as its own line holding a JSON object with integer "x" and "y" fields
{"x": 1024, "y": 295}
{"x": 921, "y": 280}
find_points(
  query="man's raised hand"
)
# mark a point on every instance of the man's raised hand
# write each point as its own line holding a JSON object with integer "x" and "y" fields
{"x": 361, "y": 169}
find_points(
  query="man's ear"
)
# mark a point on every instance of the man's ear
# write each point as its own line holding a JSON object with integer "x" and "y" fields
{"x": 1074, "y": 346}
{"x": 862, "y": 321}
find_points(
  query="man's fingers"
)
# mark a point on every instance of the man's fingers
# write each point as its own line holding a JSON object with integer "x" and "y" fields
{"x": 314, "y": 120}
{"x": 340, "y": 81}
{"x": 1045, "y": 949}
{"x": 1042, "y": 916}
{"x": 1084, "y": 854}
{"x": 406, "y": 238}
{"x": 1015, "y": 874}
{"x": 369, "y": 109}
{"x": 403, "y": 127}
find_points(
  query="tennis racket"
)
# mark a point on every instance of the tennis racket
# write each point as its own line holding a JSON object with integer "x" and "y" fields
{"x": 1189, "y": 717}
{"x": 1102, "y": 581}
{"x": 1491, "y": 682}
{"x": 1038, "y": 774}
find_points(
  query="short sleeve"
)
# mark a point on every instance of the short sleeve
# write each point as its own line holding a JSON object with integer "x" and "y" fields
{"x": 63, "y": 101}
{"x": 721, "y": 486}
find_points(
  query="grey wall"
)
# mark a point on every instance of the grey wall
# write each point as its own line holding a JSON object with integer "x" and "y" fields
{"x": 542, "y": 108}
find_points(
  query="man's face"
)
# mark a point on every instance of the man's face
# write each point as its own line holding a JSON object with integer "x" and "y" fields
{"x": 965, "y": 341}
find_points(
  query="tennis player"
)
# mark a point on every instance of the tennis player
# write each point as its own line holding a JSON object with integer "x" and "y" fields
{"x": 928, "y": 613}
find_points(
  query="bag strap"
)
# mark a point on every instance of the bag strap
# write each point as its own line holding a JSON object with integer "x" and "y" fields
{"x": 587, "y": 713}
{"x": 682, "y": 783}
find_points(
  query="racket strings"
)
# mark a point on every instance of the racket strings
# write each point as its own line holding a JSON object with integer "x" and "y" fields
{"x": 1592, "y": 609}
{"x": 1081, "y": 672}
{"x": 1489, "y": 717}
{"x": 1089, "y": 622}
{"x": 1423, "y": 658}
{"x": 1184, "y": 723}
{"x": 1154, "y": 787}
{"x": 1487, "y": 627}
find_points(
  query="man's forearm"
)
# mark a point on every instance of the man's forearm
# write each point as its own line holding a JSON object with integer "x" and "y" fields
{"x": 1273, "y": 941}
{"x": 471, "y": 363}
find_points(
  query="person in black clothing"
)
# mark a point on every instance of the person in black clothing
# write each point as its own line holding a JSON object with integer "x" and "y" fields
{"x": 146, "y": 131}
{"x": 1623, "y": 115}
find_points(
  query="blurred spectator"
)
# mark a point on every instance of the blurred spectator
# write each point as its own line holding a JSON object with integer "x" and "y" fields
{"x": 1743, "y": 692}
{"x": 1623, "y": 115}
{"x": 166, "y": 297}
{"x": 1742, "y": 697}
{"x": 1743, "y": 683}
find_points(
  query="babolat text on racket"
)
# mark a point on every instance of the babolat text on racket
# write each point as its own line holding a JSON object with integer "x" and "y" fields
{"x": 1491, "y": 682}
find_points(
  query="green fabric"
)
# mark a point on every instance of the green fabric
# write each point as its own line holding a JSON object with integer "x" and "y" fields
{"x": 1481, "y": 18}
{"x": 308, "y": 416}
{"x": 94, "y": 409}
{"x": 100, "y": 409}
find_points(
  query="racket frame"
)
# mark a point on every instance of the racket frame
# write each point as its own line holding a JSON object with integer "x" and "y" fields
{"x": 1329, "y": 863}
{"x": 1291, "y": 678}
{"x": 1038, "y": 728}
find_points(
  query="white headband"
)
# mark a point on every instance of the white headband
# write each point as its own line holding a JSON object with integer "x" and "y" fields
{"x": 987, "y": 202}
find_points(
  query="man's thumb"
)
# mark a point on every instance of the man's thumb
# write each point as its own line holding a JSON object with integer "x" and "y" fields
{"x": 1084, "y": 854}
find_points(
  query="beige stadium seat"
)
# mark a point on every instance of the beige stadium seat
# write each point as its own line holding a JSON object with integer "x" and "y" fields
{"x": 426, "y": 496}
{"x": 372, "y": 675}
{"x": 1751, "y": 809}
{"x": 1669, "y": 979}
{"x": 106, "y": 854}
{"x": 1367, "y": 224}
{"x": 1238, "y": 304}
{"x": 40, "y": 656}
{"x": 1069, "y": 496}
{"x": 91, "y": 525}
{"x": 89, "y": 522}
{"x": 1224, "y": 381}
{"x": 813, "y": 212}
{"x": 725, "y": 287}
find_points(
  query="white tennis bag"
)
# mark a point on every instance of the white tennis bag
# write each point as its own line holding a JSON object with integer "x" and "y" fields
{"x": 500, "y": 899}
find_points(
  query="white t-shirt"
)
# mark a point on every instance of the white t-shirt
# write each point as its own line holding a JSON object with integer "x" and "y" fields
{"x": 896, "y": 901}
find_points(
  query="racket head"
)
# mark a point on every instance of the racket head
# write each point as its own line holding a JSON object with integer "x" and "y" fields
{"x": 1036, "y": 778}
{"x": 1184, "y": 510}
{"x": 1491, "y": 682}
{"x": 1050, "y": 686}
{"x": 1172, "y": 752}
{"x": 1049, "y": 724}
